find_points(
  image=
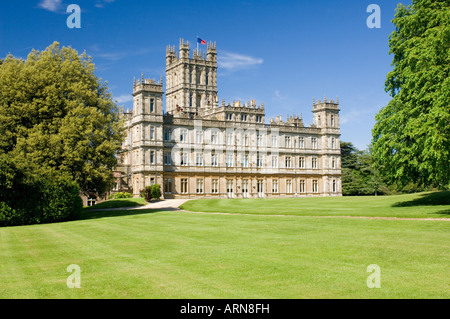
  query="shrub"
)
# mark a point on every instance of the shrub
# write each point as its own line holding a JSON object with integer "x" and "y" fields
{"x": 156, "y": 191}
{"x": 146, "y": 193}
{"x": 120, "y": 195}
{"x": 32, "y": 199}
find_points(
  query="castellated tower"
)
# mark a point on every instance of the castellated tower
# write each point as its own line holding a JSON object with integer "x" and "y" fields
{"x": 191, "y": 83}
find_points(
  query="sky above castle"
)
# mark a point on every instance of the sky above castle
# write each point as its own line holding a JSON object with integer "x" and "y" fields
{"x": 280, "y": 53}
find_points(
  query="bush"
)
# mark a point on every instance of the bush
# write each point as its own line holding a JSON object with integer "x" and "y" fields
{"x": 120, "y": 195}
{"x": 151, "y": 192}
{"x": 146, "y": 193}
{"x": 27, "y": 199}
{"x": 156, "y": 191}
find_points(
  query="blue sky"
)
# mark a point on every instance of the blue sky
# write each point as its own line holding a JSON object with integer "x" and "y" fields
{"x": 280, "y": 53}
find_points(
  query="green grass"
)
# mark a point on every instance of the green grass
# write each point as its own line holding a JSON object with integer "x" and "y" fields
{"x": 120, "y": 203}
{"x": 151, "y": 254}
{"x": 423, "y": 205}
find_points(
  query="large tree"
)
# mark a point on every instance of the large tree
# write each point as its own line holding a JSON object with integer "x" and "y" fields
{"x": 56, "y": 116}
{"x": 411, "y": 137}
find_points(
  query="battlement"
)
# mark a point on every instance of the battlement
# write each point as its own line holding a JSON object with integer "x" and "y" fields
{"x": 149, "y": 85}
{"x": 329, "y": 104}
{"x": 249, "y": 106}
{"x": 183, "y": 53}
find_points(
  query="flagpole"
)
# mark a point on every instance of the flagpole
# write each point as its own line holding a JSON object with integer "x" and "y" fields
{"x": 197, "y": 44}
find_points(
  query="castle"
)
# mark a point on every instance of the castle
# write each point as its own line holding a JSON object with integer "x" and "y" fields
{"x": 200, "y": 148}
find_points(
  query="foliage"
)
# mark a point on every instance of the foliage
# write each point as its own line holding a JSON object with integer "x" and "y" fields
{"x": 359, "y": 174}
{"x": 411, "y": 137}
{"x": 156, "y": 191}
{"x": 57, "y": 117}
{"x": 151, "y": 192}
{"x": 120, "y": 195}
{"x": 29, "y": 199}
{"x": 146, "y": 193}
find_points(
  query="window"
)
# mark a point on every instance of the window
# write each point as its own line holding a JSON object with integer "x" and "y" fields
{"x": 315, "y": 185}
{"x": 152, "y": 157}
{"x": 199, "y": 159}
{"x": 334, "y": 186}
{"x": 214, "y": 160}
{"x": 152, "y": 105}
{"x": 245, "y": 140}
{"x": 244, "y": 117}
{"x": 190, "y": 96}
{"x": 183, "y": 159}
{"x": 215, "y": 186}
{"x": 230, "y": 187}
{"x": 259, "y": 161}
{"x": 229, "y": 138}
{"x": 333, "y": 162}
{"x": 91, "y": 201}
{"x": 301, "y": 142}
{"x": 313, "y": 143}
{"x": 167, "y": 135}
{"x": 207, "y": 78}
{"x": 332, "y": 120}
{"x": 199, "y": 186}
{"x": 302, "y": 186}
{"x": 314, "y": 162}
{"x": 229, "y": 160}
{"x": 274, "y": 161}
{"x": 229, "y": 116}
{"x": 288, "y": 162}
{"x": 214, "y": 138}
{"x": 152, "y": 133}
{"x": 167, "y": 159}
{"x": 259, "y": 140}
{"x": 183, "y": 135}
{"x": 168, "y": 186}
{"x": 287, "y": 141}
{"x": 289, "y": 186}
{"x": 258, "y": 119}
{"x": 244, "y": 160}
{"x": 333, "y": 142}
{"x": 274, "y": 141}
{"x": 184, "y": 186}
{"x": 198, "y": 137}
{"x": 275, "y": 186}
{"x": 245, "y": 188}
{"x": 301, "y": 162}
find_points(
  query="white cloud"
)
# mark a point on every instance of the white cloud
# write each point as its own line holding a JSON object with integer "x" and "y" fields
{"x": 235, "y": 61}
{"x": 124, "y": 98}
{"x": 50, "y": 5}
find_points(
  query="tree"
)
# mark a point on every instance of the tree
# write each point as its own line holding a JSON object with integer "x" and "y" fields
{"x": 411, "y": 137}
{"x": 58, "y": 118}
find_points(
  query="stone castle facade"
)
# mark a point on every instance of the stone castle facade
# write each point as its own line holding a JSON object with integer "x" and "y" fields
{"x": 200, "y": 148}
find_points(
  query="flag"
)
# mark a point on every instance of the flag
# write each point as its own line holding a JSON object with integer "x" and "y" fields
{"x": 201, "y": 41}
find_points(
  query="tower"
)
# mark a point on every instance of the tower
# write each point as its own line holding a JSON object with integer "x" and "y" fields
{"x": 191, "y": 83}
{"x": 326, "y": 113}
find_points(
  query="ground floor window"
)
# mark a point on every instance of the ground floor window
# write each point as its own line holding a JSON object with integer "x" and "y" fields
{"x": 275, "y": 186}
{"x": 215, "y": 186}
{"x": 199, "y": 186}
{"x": 91, "y": 201}
{"x": 289, "y": 186}
{"x": 315, "y": 185}
{"x": 184, "y": 186}
{"x": 334, "y": 186}
{"x": 168, "y": 186}
{"x": 302, "y": 186}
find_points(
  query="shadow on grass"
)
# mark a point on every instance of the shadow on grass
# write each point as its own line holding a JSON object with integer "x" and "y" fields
{"x": 120, "y": 203}
{"x": 444, "y": 212}
{"x": 428, "y": 199}
{"x": 86, "y": 215}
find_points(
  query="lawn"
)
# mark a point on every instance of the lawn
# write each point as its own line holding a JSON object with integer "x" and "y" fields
{"x": 154, "y": 254}
{"x": 423, "y": 205}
